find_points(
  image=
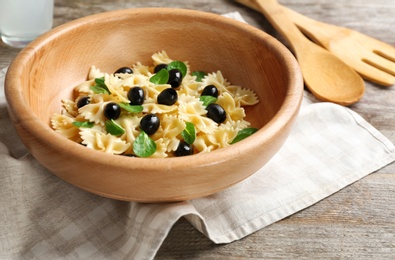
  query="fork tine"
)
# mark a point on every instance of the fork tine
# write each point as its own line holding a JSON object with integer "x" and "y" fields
{"x": 380, "y": 62}
{"x": 374, "y": 72}
{"x": 383, "y": 49}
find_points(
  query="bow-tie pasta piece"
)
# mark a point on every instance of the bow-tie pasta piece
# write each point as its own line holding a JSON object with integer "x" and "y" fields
{"x": 131, "y": 126}
{"x": 161, "y": 58}
{"x": 94, "y": 112}
{"x": 203, "y": 145}
{"x": 64, "y": 125}
{"x": 95, "y": 139}
{"x": 218, "y": 80}
{"x": 157, "y": 108}
{"x": 190, "y": 86}
{"x": 141, "y": 70}
{"x": 94, "y": 73}
{"x": 233, "y": 112}
{"x": 70, "y": 108}
{"x": 116, "y": 88}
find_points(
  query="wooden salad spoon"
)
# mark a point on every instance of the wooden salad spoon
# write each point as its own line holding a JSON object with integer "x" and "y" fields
{"x": 374, "y": 60}
{"x": 325, "y": 75}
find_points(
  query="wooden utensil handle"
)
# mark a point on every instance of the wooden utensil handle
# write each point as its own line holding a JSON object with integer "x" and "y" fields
{"x": 319, "y": 32}
{"x": 278, "y": 18}
{"x": 249, "y": 3}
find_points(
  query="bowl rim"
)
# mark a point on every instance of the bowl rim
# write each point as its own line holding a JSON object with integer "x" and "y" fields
{"x": 29, "y": 120}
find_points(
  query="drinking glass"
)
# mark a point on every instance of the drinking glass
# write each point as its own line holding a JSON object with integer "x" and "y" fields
{"x": 21, "y": 21}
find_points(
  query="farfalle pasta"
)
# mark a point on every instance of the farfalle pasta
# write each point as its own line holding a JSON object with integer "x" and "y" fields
{"x": 161, "y": 110}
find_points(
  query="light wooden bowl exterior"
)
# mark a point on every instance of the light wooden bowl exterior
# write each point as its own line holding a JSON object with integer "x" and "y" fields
{"x": 47, "y": 70}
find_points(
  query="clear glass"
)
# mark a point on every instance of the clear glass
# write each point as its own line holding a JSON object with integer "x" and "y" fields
{"x": 21, "y": 21}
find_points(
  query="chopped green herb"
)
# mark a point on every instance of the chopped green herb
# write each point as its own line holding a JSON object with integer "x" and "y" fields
{"x": 178, "y": 65}
{"x": 99, "y": 90}
{"x": 199, "y": 75}
{"x": 207, "y": 100}
{"x": 113, "y": 128}
{"x": 160, "y": 78}
{"x": 100, "y": 81}
{"x": 131, "y": 108}
{"x": 189, "y": 133}
{"x": 85, "y": 124}
{"x": 144, "y": 146}
{"x": 100, "y": 87}
{"x": 244, "y": 133}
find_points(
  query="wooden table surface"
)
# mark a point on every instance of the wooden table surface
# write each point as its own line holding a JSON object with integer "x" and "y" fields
{"x": 357, "y": 222}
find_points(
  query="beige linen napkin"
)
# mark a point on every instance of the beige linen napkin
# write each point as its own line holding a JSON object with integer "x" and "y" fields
{"x": 44, "y": 217}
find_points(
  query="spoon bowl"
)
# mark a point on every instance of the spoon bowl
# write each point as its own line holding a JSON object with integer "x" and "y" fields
{"x": 345, "y": 87}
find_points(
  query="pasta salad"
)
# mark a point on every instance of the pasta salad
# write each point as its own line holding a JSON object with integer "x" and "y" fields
{"x": 162, "y": 110}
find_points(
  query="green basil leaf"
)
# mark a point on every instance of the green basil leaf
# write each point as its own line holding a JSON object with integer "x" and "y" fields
{"x": 99, "y": 90}
{"x": 144, "y": 146}
{"x": 178, "y": 65}
{"x": 199, "y": 75}
{"x": 244, "y": 133}
{"x": 160, "y": 78}
{"x": 131, "y": 108}
{"x": 207, "y": 100}
{"x": 113, "y": 128}
{"x": 189, "y": 133}
{"x": 85, "y": 124}
{"x": 100, "y": 87}
{"x": 100, "y": 81}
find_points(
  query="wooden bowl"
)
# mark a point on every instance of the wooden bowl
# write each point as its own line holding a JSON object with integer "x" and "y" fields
{"x": 46, "y": 71}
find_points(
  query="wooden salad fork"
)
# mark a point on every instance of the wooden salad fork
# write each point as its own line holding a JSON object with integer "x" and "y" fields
{"x": 374, "y": 60}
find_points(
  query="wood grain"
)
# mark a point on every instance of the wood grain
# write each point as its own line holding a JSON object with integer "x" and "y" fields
{"x": 355, "y": 223}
